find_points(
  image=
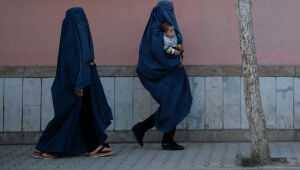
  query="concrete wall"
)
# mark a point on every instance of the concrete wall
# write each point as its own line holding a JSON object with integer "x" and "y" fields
{"x": 30, "y": 30}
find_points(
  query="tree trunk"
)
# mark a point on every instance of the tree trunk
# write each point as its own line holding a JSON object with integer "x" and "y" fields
{"x": 260, "y": 151}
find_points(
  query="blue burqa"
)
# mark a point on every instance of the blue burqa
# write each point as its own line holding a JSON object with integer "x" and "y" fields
{"x": 79, "y": 122}
{"x": 159, "y": 72}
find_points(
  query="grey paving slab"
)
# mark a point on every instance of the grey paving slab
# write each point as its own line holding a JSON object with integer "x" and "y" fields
{"x": 123, "y": 103}
{"x": 31, "y": 91}
{"x": 108, "y": 84}
{"x": 297, "y": 103}
{"x": 131, "y": 156}
{"x": 31, "y": 118}
{"x": 141, "y": 102}
{"x": 1, "y": 103}
{"x": 213, "y": 104}
{"x": 244, "y": 119}
{"x": 31, "y": 104}
{"x": 196, "y": 117}
{"x": 137, "y": 83}
{"x": 229, "y": 154}
{"x": 268, "y": 97}
{"x": 154, "y": 105}
{"x": 284, "y": 105}
{"x": 183, "y": 125}
{"x": 47, "y": 112}
{"x": 216, "y": 155}
{"x": 232, "y": 102}
{"x": 12, "y": 104}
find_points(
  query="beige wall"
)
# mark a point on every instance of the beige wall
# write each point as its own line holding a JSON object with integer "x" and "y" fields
{"x": 30, "y": 30}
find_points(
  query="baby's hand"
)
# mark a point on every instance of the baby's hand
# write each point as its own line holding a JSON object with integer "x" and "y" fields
{"x": 79, "y": 93}
{"x": 176, "y": 52}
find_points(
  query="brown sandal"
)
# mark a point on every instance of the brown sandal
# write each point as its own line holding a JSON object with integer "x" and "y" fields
{"x": 41, "y": 155}
{"x": 101, "y": 153}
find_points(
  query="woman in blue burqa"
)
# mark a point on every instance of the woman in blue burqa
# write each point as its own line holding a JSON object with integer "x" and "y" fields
{"x": 164, "y": 76}
{"x": 81, "y": 110}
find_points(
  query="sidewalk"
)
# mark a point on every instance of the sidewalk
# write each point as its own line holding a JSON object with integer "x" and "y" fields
{"x": 151, "y": 157}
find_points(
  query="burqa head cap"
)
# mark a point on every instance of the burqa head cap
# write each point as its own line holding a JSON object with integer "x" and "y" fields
{"x": 166, "y": 4}
{"x": 164, "y": 11}
{"x": 76, "y": 11}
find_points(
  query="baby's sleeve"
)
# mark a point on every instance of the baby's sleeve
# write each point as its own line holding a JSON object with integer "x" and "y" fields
{"x": 168, "y": 49}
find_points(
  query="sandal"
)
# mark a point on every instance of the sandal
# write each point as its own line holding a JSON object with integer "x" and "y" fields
{"x": 105, "y": 150}
{"x": 41, "y": 155}
{"x": 107, "y": 147}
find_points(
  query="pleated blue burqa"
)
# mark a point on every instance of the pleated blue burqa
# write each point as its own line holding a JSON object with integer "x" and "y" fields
{"x": 79, "y": 122}
{"x": 159, "y": 72}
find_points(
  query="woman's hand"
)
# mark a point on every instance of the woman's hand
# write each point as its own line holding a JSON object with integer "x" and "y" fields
{"x": 176, "y": 52}
{"x": 79, "y": 93}
{"x": 180, "y": 47}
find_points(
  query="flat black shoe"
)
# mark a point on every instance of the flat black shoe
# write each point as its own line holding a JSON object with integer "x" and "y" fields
{"x": 171, "y": 146}
{"x": 138, "y": 133}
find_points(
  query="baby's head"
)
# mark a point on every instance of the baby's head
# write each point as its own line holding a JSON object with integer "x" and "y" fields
{"x": 167, "y": 28}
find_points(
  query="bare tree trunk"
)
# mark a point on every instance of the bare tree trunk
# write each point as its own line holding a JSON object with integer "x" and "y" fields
{"x": 259, "y": 143}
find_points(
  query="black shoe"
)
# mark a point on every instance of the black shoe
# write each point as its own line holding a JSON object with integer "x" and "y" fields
{"x": 138, "y": 133}
{"x": 171, "y": 146}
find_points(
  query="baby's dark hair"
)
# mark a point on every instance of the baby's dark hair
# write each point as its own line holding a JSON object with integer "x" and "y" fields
{"x": 164, "y": 26}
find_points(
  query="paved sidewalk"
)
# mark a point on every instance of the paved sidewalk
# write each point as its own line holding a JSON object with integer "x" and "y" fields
{"x": 131, "y": 156}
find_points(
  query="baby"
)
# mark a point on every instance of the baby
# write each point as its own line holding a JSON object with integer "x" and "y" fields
{"x": 170, "y": 39}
